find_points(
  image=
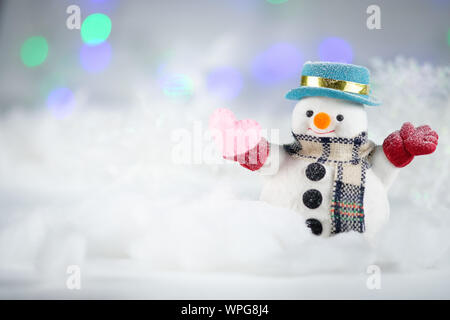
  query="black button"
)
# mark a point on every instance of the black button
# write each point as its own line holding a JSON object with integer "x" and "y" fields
{"x": 315, "y": 171}
{"x": 312, "y": 198}
{"x": 315, "y": 226}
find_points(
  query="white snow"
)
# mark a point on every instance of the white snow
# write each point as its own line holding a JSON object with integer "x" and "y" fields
{"x": 99, "y": 189}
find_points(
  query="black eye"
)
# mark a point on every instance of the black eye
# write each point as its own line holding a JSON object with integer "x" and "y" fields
{"x": 339, "y": 117}
{"x": 309, "y": 113}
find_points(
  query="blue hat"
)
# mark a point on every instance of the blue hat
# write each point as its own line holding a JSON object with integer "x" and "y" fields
{"x": 334, "y": 80}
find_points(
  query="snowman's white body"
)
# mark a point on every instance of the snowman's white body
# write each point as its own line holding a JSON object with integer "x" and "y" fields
{"x": 286, "y": 180}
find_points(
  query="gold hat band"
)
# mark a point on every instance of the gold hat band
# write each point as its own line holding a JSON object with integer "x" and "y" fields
{"x": 341, "y": 85}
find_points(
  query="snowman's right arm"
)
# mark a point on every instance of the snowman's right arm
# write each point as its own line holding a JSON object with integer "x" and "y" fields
{"x": 265, "y": 158}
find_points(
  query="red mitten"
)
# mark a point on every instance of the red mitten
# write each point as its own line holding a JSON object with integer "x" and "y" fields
{"x": 255, "y": 158}
{"x": 419, "y": 141}
{"x": 400, "y": 147}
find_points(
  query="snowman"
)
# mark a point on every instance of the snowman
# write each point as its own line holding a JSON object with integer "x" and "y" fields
{"x": 332, "y": 174}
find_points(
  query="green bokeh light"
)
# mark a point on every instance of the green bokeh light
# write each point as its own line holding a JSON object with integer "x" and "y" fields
{"x": 34, "y": 51}
{"x": 95, "y": 29}
{"x": 448, "y": 37}
{"x": 276, "y": 1}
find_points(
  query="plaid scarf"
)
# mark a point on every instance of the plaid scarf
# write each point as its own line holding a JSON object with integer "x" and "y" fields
{"x": 350, "y": 159}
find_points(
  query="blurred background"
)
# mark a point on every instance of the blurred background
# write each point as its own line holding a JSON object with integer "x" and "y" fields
{"x": 231, "y": 49}
{"x": 91, "y": 118}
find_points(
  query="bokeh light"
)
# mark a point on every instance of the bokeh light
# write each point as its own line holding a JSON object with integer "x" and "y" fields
{"x": 95, "y": 29}
{"x": 104, "y": 6}
{"x": 276, "y": 1}
{"x": 61, "y": 102}
{"x": 335, "y": 49}
{"x": 280, "y": 62}
{"x": 34, "y": 51}
{"x": 95, "y": 58}
{"x": 177, "y": 85}
{"x": 225, "y": 82}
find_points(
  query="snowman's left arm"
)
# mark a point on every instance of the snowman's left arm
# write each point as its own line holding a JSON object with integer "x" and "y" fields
{"x": 400, "y": 148}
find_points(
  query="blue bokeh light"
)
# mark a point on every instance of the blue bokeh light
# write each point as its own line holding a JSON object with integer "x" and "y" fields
{"x": 225, "y": 83}
{"x": 99, "y": 6}
{"x": 95, "y": 59}
{"x": 335, "y": 49}
{"x": 61, "y": 102}
{"x": 278, "y": 63}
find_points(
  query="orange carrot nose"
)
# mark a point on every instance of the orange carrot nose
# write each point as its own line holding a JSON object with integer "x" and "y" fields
{"x": 322, "y": 120}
